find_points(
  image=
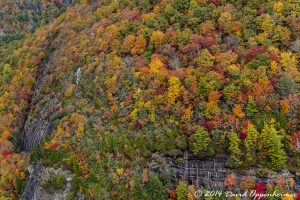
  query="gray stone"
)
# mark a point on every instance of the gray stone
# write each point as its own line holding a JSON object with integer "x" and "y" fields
{"x": 210, "y": 173}
{"x": 39, "y": 175}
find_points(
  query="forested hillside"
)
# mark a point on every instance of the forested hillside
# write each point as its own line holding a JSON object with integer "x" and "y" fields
{"x": 20, "y": 17}
{"x": 117, "y": 91}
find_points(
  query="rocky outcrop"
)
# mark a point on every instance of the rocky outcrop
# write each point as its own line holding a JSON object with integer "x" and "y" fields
{"x": 41, "y": 184}
{"x": 210, "y": 173}
{"x": 42, "y": 110}
{"x": 44, "y": 106}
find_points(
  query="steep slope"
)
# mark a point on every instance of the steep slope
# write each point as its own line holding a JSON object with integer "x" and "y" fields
{"x": 119, "y": 90}
{"x": 20, "y": 18}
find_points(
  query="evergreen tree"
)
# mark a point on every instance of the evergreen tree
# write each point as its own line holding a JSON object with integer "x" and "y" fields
{"x": 251, "y": 144}
{"x": 6, "y": 73}
{"x": 271, "y": 148}
{"x": 181, "y": 190}
{"x": 234, "y": 148}
{"x": 251, "y": 109}
{"x": 287, "y": 85}
{"x": 200, "y": 142}
{"x": 266, "y": 137}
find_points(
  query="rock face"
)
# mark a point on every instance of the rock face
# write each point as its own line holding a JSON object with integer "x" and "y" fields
{"x": 210, "y": 173}
{"x": 35, "y": 131}
{"x": 44, "y": 107}
{"x": 39, "y": 185}
{"x": 37, "y": 126}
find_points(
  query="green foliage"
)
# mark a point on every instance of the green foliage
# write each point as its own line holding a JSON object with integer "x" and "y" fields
{"x": 200, "y": 142}
{"x": 237, "y": 2}
{"x": 229, "y": 90}
{"x": 250, "y": 143}
{"x": 203, "y": 87}
{"x": 155, "y": 188}
{"x": 6, "y": 73}
{"x": 271, "y": 148}
{"x": 181, "y": 190}
{"x": 36, "y": 153}
{"x": 181, "y": 5}
{"x": 27, "y": 17}
{"x": 251, "y": 109}
{"x": 261, "y": 60}
{"x": 157, "y": 78}
{"x": 203, "y": 13}
{"x": 20, "y": 185}
{"x": 287, "y": 85}
{"x": 70, "y": 196}
{"x": 54, "y": 184}
{"x": 235, "y": 148}
{"x": 52, "y": 157}
{"x": 147, "y": 4}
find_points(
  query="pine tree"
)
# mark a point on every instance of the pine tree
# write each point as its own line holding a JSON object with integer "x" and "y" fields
{"x": 234, "y": 148}
{"x": 251, "y": 144}
{"x": 181, "y": 190}
{"x": 271, "y": 148}
{"x": 277, "y": 154}
{"x": 266, "y": 137}
{"x": 251, "y": 109}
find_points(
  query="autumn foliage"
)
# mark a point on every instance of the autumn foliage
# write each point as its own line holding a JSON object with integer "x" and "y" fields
{"x": 157, "y": 79}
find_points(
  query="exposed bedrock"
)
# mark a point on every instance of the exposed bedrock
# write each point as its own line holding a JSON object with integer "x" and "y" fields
{"x": 44, "y": 108}
{"x": 210, "y": 173}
